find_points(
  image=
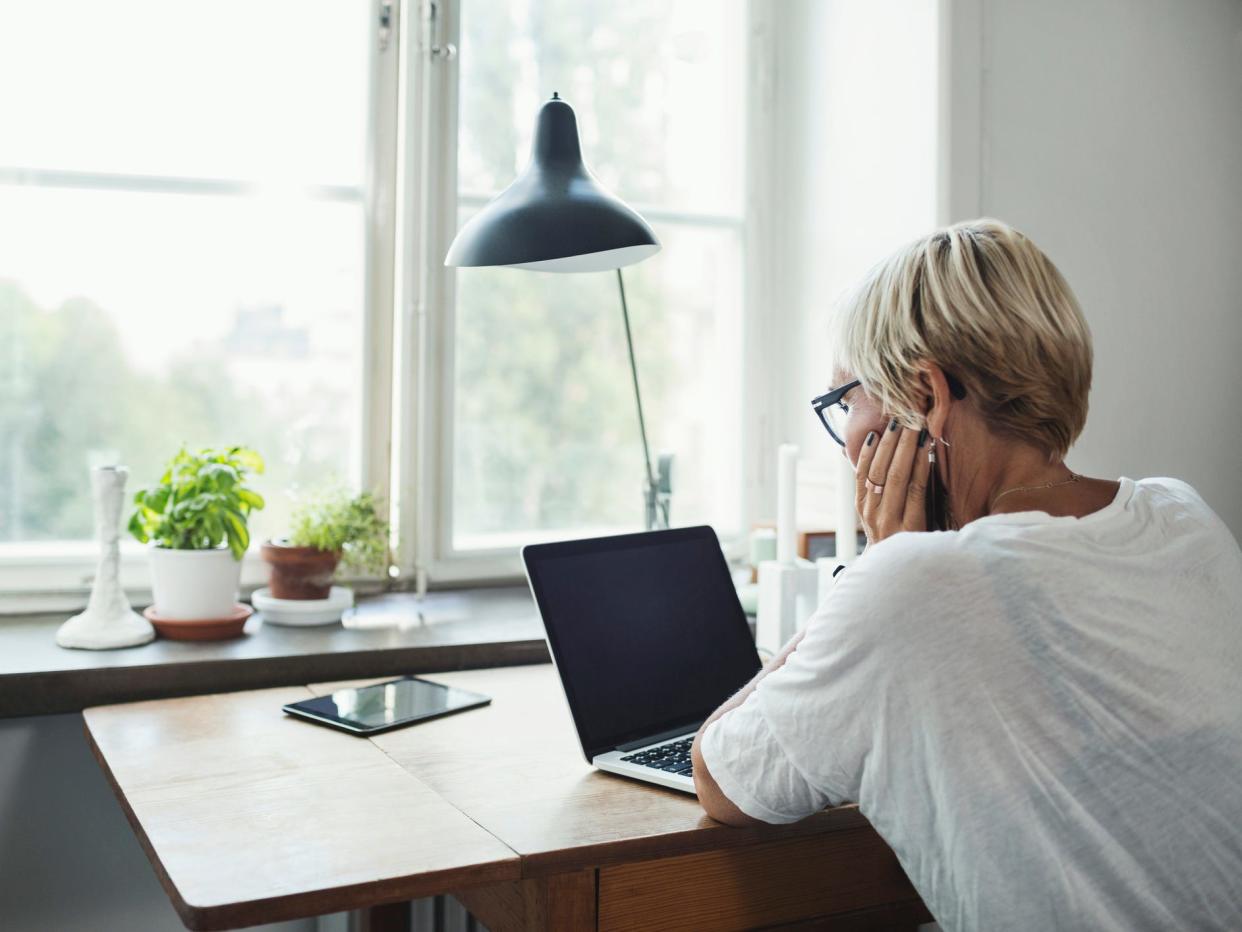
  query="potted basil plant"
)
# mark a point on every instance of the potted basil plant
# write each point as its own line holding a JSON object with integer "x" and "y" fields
{"x": 329, "y": 530}
{"x": 196, "y": 520}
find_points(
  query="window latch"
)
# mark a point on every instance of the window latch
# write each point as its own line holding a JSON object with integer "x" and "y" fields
{"x": 448, "y": 50}
{"x": 385, "y": 24}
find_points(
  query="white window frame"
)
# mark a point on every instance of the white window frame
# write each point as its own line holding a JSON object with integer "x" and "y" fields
{"x": 430, "y": 205}
{"x": 405, "y": 421}
{"x": 57, "y": 575}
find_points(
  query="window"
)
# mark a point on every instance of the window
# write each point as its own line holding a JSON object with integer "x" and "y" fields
{"x": 202, "y": 241}
{"x": 185, "y": 245}
{"x": 544, "y": 436}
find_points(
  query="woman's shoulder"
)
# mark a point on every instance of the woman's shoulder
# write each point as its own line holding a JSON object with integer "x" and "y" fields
{"x": 1166, "y": 489}
{"x": 900, "y": 588}
{"x": 943, "y": 570}
{"x": 949, "y": 562}
{"x": 912, "y": 562}
{"x": 916, "y": 546}
{"x": 1176, "y": 507}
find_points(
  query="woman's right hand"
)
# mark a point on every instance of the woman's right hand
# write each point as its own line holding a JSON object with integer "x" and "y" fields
{"x": 891, "y": 482}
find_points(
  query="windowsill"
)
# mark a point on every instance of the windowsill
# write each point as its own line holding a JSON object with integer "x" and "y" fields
{"x": 397, "y": 634}
{"x": 57, "y": 576}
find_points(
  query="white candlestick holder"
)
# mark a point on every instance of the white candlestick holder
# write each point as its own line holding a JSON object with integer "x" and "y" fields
{"x": 108, "y": 621}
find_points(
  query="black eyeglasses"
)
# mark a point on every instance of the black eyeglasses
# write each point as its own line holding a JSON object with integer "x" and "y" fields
{"x": 832, "y": 410}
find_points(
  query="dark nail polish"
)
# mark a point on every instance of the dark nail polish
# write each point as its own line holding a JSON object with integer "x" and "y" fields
{"x": 870, "y": 437}
{"x": 922, "y": 437}
{"x": 892, "y": 425}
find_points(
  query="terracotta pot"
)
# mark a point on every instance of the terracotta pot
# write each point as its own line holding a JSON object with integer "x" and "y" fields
{"x": 300, "y": 572}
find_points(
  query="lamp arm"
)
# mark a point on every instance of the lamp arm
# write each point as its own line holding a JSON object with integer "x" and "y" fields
{"x": 638, "y": 398}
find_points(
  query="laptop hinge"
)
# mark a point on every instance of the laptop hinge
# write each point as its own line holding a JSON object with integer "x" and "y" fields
{"x": 662, "y": 736}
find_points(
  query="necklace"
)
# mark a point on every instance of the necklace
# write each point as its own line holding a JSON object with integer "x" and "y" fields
{"x": 1074, "y": 477}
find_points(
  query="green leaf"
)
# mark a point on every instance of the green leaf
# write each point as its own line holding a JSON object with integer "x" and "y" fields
{"x": 137, "y": 529}
{"x": 238, "y": 534}
{"x": 224, "y": 475}
{"x": 156, "y": 499}
{"x": 252, "y": 499}
{"x": 336, "y": 521}
{"x": 247, "y": 459}
{"x": 201, "y": 501}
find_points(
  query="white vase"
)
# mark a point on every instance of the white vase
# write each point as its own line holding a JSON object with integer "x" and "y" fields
{"x": 192, "y": 585}
{"x": 108, "y": 620}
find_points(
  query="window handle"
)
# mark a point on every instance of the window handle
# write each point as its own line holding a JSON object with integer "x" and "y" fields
{"x": 447, "y": 51}
{"x": 385, "y": 24}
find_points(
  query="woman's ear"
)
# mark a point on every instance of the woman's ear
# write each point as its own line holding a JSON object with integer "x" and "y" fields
{"x": 937, "y": 399}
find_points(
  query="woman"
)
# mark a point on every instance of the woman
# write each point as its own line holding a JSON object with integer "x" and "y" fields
{"x": 1038, "y": 704}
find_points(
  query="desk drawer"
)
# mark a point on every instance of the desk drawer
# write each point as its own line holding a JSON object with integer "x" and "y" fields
{"x": 770, "y": 884}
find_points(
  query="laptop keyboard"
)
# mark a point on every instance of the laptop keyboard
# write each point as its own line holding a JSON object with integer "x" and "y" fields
{"x": 673, "y": 757}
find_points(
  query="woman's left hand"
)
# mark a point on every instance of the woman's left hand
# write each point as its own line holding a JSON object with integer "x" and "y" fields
{"x": 891, "y": 482}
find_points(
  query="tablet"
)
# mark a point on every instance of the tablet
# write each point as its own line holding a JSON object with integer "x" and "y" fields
{"x": 369, "y": 710}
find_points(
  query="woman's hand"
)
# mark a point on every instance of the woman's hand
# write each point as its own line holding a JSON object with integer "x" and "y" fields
{"x": 891, "y": 482}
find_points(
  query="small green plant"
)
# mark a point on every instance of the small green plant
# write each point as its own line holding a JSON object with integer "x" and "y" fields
{"x": 200, "y": 502}
{"x": 337, "y": 522}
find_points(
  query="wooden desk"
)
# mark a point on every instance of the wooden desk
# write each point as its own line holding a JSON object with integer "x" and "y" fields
{"x": 249, "y": 816}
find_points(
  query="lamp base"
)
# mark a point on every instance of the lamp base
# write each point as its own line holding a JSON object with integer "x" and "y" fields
{"x": 658, "y": 496}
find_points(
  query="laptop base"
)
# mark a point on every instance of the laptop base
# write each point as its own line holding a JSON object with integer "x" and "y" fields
{"x": 611, "y": 762}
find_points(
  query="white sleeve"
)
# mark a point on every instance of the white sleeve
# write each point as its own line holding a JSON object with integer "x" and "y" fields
{"x": 753, "y": 770}
{"x": 801, "y": 741}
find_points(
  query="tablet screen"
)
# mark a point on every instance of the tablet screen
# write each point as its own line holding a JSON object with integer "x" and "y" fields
{"x": 387, "y": 705}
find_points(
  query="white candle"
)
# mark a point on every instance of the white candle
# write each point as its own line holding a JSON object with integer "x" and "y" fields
{"x": 847, "y": 516}
{"x": 786, "y": 503}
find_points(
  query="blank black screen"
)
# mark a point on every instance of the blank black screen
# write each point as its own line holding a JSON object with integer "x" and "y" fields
{"x": 647, "y": 630}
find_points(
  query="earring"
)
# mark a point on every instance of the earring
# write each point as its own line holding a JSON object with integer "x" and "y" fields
{"x": 951, "y": 523}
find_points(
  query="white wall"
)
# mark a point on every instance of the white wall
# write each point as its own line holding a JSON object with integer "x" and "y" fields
{"x": 1110, "y": 131}
{"x": 858, "y": 108}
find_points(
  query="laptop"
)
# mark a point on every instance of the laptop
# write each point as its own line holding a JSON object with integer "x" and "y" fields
{"x": 648, "y": 637}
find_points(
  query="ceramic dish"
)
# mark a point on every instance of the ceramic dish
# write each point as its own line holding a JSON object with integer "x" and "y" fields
{"x": 303, "y": 612}
{"x": 201, "y": 629}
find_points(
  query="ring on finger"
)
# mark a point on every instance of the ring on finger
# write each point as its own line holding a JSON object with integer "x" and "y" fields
{"x": 876, "y": 487}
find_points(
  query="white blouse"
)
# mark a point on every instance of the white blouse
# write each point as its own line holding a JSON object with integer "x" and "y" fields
{"x": 1041, "y": 715}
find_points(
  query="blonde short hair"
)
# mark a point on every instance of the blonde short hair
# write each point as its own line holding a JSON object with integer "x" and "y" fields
{"x": 983, "y": 302}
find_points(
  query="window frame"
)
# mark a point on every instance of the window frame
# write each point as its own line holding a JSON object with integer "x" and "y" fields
{"x": 58, "y": 575}
{"x": 426, "y": 515}
{"x": 410, "y": 202}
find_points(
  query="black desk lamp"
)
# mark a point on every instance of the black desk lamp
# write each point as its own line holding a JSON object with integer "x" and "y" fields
{"x": 556, "y": 217}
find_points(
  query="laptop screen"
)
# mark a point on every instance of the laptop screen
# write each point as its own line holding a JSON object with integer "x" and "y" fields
{"x": 646, "y": 629}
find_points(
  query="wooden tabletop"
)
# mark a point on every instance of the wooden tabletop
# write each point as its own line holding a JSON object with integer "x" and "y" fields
{"x": 516, "y": 768}
{"x": 252, "y": 816}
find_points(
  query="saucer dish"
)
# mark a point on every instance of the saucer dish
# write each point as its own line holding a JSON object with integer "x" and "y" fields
{"x": 201, "y": 629}
{"x": 302, "y": 613}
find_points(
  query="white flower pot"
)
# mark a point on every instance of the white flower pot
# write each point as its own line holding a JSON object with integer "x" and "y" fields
{"x": 190, "y": 585}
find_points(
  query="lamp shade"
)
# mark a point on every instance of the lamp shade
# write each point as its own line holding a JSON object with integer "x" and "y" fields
{"x": 556, "y": 217}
